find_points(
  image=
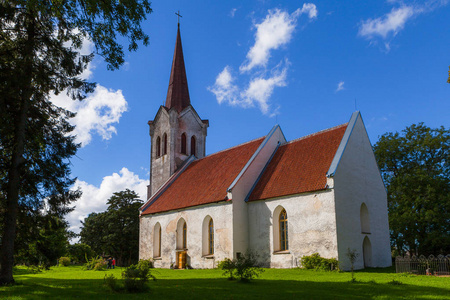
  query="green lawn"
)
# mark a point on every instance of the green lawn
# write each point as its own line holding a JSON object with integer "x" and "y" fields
{"x": 73, "y": 282}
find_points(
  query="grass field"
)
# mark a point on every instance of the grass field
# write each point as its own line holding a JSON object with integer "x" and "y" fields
{"x": 72, "y": 282}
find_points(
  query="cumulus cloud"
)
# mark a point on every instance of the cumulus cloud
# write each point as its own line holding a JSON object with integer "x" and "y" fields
{"x": 96, "y": 114}
{"x": 94, "y": 198}
{"x": 273, "y": 32}
{"x": 390, "y": 24}
{"x": 340, "y": 86}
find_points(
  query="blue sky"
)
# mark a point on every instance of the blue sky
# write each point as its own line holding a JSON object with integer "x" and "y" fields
{"x": 253, "y": 64}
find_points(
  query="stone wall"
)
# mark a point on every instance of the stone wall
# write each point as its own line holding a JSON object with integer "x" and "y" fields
{"x": 194, "y": 217}
{"x": 311, "y": 228}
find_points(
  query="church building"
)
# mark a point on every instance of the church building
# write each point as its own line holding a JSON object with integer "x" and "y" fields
{"x": 321, "y": 193}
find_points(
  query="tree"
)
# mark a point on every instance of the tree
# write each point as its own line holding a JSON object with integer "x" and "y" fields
{"x": 39, "y": 47}
{"x": 415, "y": 166}
{"x": 116, "y": 231}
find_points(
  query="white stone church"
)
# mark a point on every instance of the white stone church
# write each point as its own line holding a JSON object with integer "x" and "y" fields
{"x": 279, "y": 199}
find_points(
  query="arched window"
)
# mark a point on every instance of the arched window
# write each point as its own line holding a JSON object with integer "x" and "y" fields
{"x": 158, "y": 147}
{"x": 280, "y": 229}
{"x": 164, "y": 151}
{"x": 364, "y": 218}
{"x": 284, "y": 241}
{"x": 184, "y": 236}
{"x": 208, "y": 236}
{"x": 211, "y": 237}
{"x": 183, "y": 143}
{"x": 193, "y": 145}
{"x": 157, "y": 240}
{"x": 181, "y": 240}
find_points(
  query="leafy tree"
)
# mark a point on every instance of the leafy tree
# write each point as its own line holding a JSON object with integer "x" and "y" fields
{"x": 415, "y": 166}
{"x": 38, "y": 55}
{"x": 116, "y": 231}
{"x": 80, "y": 253}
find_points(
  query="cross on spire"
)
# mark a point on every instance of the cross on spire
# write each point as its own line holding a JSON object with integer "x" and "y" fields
{"x": 178, "y": 14}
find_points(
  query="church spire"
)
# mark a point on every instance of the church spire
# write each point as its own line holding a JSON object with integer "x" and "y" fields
{"x": 178, "y": 92}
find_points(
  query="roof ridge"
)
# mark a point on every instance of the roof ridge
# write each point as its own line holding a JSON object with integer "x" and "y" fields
{"x": 317, "y": 133}
{"x": 224, "y": 150}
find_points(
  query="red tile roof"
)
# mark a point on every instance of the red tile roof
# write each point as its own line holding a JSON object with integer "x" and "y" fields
{"x": 205, "y": 180}
{"x": 300, "y": 165}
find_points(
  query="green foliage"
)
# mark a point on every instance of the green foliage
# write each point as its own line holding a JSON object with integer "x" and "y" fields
{"x": 145, "y": 264}
{"x": 39, "y": 55}
{"x": 115, "y": 231}
{"x": 244, "y": 267}
{"x": 80, "y": 253}
{"x": 415, "y": 166}
{"x": 64, "y": 261}
{"x": 111, "y": 282}
{"x": 352, "y": 255}
{"x": 227, "y": 266}
{"x": 96, "y": 263}
{"x": 136, "y": 277}
{"x": 316, "y": 262}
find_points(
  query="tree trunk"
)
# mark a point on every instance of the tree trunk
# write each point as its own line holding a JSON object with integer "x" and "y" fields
{"x": 17, "y": 160}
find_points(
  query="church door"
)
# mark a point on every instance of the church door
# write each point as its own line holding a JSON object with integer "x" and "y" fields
{"x": 182, "y": 260}
{"x": 367, "y": 252}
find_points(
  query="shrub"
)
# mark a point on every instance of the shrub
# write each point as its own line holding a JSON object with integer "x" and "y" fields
{"x": 95, "y": 263}
{"x": 316, "y": 262}
{"x": 146, "y": 263}
{"x": 136, "y": 276}
{"x": 227, "y": 266}
{"x": 245, "y": 267}
{"x": 64, "y": 261}
{"x": 111, "y": 282}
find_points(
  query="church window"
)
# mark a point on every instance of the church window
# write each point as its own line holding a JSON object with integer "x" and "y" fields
{"x": 183, "y": 143}
{"x": 211, "y": 237}
{"x": 283, "y": 221}
{"x": 158, "y": 147}
{"x": 164, "y": 149}
{"x": 157, "y": 240}
{"x": 193, "y": 145}
{"x": 364, "y": 218}
{"x": 184, "y": 236}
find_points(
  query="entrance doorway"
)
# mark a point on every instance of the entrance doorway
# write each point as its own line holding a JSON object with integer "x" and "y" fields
{"x": 181, "y": 260}
{"x": 367, "y": 252}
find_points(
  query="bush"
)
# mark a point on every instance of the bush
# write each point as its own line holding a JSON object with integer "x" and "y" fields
{"x": 111, "y": 282}
{"x": 245, "y": 267}
{"x": 316, "y": 262}
{"x": 145, "y": 263}
{"x": 64, "y": 261}
{"x": 136, "y": 277}
{"x": 95, "y": 263}
{"x": 227, "y": 266}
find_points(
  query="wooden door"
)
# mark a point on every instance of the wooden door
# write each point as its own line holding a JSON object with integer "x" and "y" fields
{"x": 181, "y": 259}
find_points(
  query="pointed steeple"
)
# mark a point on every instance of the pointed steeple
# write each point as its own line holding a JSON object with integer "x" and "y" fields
{"x": 178, "y": 92}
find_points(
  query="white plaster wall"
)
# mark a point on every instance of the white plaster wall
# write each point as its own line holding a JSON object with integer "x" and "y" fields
{"x": 243, "y": 186}
{"x": 223, "y": 239}
{"x": 357, "y": 180}
{"x": 311, "y": 228}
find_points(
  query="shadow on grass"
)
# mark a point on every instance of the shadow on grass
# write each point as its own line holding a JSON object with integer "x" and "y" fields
{"x": 39, "y": 288}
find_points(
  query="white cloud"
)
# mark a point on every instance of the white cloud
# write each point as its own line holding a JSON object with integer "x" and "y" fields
{"x": 389, "y": 25}
{"x": 96, "y": 114}
{"x": 233, "y": 12}
{"x": 94, "y": 198}
{"x": 273, "y": 32}
{"x": 340, "y": 86}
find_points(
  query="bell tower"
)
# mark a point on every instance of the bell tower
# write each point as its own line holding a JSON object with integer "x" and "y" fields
{"x": 177, "y": 132}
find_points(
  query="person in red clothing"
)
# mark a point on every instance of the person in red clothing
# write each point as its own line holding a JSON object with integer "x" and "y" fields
{"x": 113, "y": 262}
